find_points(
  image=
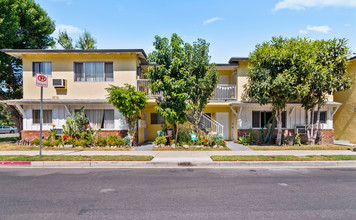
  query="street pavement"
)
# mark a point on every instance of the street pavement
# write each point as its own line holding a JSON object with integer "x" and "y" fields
{"x": 177, "y": 194}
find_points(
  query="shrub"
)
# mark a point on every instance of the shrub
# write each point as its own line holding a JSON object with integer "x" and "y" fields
{"x": 160, "y": 140}
{"x": 243, "y": 140}
{"x": 251, "y": 137}
{"x": 101, "y": 141}
{"x": 215, "y": 139}
{"x": 35, "y": 141}
{"x": 184, "y": 137}
{"x": 125, "y": 141}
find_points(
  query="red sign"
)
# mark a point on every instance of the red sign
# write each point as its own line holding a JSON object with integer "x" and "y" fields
{"x": 41, "y": 80}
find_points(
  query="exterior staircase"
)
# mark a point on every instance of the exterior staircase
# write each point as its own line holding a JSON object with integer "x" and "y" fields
{"x": 207, "y": 124}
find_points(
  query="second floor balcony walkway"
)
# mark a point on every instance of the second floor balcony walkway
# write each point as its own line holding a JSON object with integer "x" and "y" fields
{"x": 222, "y": 91}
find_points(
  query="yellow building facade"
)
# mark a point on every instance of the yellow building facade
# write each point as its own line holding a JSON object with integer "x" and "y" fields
{"x": 345, "y": 117}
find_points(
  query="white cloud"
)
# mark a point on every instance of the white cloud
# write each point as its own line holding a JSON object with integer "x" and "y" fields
{"x": 211, "y": 20}
{"x": 303, "y": 4}
{"x": 347, "y": 25}
{"x": 302, "y": 31}
{"x": 322, "y": 29}
{"x": 69, "y": 28}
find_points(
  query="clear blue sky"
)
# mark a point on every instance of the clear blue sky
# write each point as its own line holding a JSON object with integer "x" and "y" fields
{"x": 232, "y": 27}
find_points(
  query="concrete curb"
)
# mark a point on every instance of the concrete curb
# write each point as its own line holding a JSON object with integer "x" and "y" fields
{"x": 150, "y": 164}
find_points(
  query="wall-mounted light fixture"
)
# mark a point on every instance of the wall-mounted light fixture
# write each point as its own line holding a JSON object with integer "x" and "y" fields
{"x": 235, "y": 72}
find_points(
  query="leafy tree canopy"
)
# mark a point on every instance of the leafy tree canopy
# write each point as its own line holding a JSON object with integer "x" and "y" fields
{"x": 23, "y": 25}
{"x": 129, "y": 102}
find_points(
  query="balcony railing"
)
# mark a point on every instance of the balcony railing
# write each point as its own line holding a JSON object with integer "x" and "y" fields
{"x": 224, "y": 91}
{"x": 144, "y": 86}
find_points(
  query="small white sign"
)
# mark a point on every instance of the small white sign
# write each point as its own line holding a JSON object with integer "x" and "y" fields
{"x": 41, "y": 80}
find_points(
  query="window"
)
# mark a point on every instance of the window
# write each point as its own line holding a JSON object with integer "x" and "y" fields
{"x": 260, "y": 119}
{"x": 156, "y": 119}
{"x": 99, "y": 118}
{"x": 42, "y": 68}
{"x": 94, "y": 71}
{"x": 322, "y": 116}
{"x": 47, "y": 116}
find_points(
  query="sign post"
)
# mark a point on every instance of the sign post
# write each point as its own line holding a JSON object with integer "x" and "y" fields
{"x": 41, "y": 81}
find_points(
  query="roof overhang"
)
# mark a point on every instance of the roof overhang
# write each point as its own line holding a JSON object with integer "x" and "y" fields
{"x": 18, "y": 53}
{"x": 226, "y": 66}
{"x": 54, "y": 101}
{"x": 237, "y": 59}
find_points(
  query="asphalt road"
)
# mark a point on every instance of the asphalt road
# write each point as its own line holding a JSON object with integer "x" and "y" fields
{"x": 177, "y": 194}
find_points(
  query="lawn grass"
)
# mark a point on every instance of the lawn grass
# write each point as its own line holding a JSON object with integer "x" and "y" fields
{"x": 191, "y": 149}
{"x": 74, "y": 158}
{"x": 303, "y": 147}
{"x": 12, "y": 139}
{"x": 283, "y": 158}
{"x": 7, "y": 146}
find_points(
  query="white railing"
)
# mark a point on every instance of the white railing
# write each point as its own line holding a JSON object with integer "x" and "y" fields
{"x": 210, "y": 124}
{"x": 144, "y": 86}
{"x": 224, "y": 91}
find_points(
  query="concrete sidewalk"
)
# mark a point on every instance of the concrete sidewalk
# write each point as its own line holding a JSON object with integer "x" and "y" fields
{"x": 185, "y": 156}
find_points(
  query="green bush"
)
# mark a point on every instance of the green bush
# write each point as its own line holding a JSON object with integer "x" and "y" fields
{"x": 35, "y": 141}
{"x": 215, "y": 139}
{"x": 160, "y": 140}
{"x": 243, "y": 140}
{"x": 251, "y": 137}
{"x": 125, "y": 141}
{"x": 184, "y": 137}
{"x": 101, "y": 141}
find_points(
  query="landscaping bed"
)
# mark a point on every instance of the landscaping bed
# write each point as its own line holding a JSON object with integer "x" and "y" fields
{"x": 283, "y": 158}
{"x": 303, "y": 147}
{"x": 6, "y": 146}
{"x": 191, "y": 148}
{"x": 74, "y": 158}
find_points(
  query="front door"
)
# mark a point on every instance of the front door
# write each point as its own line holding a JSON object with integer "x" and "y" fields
{"x": 223, "y": 118}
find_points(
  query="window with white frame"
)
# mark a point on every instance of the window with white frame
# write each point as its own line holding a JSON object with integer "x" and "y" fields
{"x": 261, "y": 118}
{"x": 93, "y": 71}
{"x": 44, "y": 68}
{"x": 99, "y": 119}
{"x": 47, "y": 116}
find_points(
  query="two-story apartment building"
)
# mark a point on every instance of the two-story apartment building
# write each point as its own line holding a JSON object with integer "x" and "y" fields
{"x": 78, "y": 78}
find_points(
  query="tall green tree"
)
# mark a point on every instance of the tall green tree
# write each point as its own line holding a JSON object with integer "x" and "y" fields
{"x": 171, "y": 78}
{"x": 130, "y": 103}
{"x": 203, "y": 77}
{"x": 65, "y": 41}
{"x": 86, "y": 42}
{"x": 5, "y": 116}
{"x": 23, "y": 25}
{"x": 273, "y": 74}
{"x": 330, "y": 75}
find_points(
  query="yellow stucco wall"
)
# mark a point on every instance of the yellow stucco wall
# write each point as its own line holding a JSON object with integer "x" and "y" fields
{"x": 345, "y": 117}
{"x": 63, "y": 68}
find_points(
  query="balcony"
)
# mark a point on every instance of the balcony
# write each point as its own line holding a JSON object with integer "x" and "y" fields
{"x": 222, "y": 91}
{"x": 144, "y": 86}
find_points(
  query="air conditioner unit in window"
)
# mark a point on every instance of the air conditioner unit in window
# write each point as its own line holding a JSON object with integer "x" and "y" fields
{"x": 59, "y": 83}
{"x": 300, "y": 129}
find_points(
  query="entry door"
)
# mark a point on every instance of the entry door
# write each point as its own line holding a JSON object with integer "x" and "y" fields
{"x": 223, "y": 118}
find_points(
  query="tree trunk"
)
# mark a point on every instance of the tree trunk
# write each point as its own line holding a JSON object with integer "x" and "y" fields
{"x": 307, "y": 124}
{"x": 197, "y": 117}
{"x": 17, "y": 117}
{"x": 176, "y": 132}
{"x": 317, "y": 129}
{"x": 312, "y": 139}
{"x": 279, "y": 126}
